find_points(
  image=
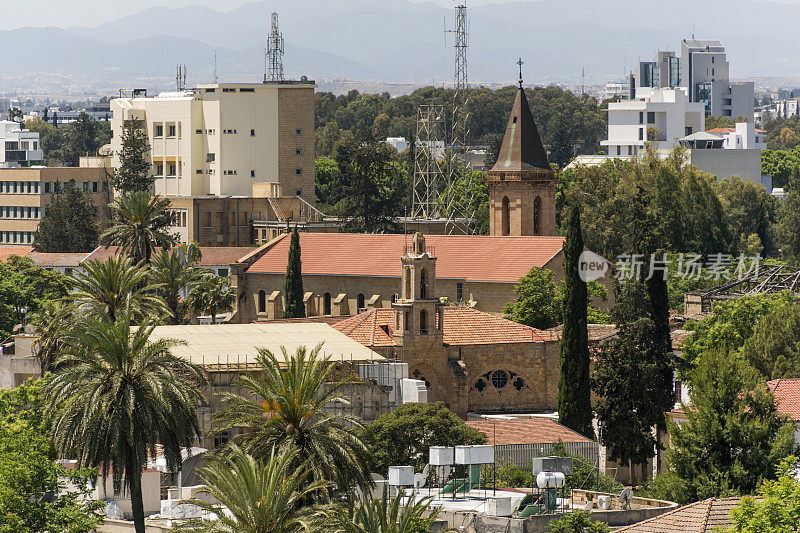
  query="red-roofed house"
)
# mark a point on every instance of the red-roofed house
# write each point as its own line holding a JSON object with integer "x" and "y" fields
{"x": 7, "y": 251}
{"x": 787, "y": 399}
{"x": 345, "y": 273}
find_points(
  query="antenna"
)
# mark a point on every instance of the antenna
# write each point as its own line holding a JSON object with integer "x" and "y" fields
{"x": 216, "y": 78}
{"x": 583, "y": 81}
{"x": 274, "y": 52}
{"x": 180, "y": 77}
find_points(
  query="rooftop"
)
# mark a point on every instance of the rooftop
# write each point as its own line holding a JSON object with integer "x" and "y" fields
{"x": 463, "y": 326}
{"x": 209, "y": 255}
{"x": 706, "y": 516}
{"x": 787, "y": 396}
{"x": 7, "y": 251}
{"x": 459, "y": 256}
{"x": 522, "y": 148}
{"x": 534, "y": 430}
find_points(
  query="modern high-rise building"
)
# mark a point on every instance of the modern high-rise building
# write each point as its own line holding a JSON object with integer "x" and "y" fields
{"x": 19, "y": 147}
{"x": 705, "y": 72}
{"x": 664, "y": 72}
{"x": 221, "y": 139}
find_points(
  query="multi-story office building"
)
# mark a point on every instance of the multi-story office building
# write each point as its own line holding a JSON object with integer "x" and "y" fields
{"x": 705, "y": 72}
{"x": 221, "y": 139}
{"x": 18, "y": 147}
{"x": 26, "y": 192}
{"x": 664, "y": 72}
{"x": 659, "y": 117}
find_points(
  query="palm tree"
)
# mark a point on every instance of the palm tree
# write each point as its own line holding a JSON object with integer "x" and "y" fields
{"x": 110, "y": 285}
{"x": 261, "y": 496}
{"x": 116, "y": 395}
{"x": 175, "y": 273}
{"x": 51, "y": 322}
{"x": 291, "y": 403}
{"x": 211, "y": 295}
{"x": 383, "y": 515}
{"x": 140, "y": 225}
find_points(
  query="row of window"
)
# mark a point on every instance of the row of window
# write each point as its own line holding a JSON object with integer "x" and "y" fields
{"x": 219, "y": 216}
{"x": 14, "y": 211}
{"x": 22, "y": 145}
{"x": 16, "y": 237}
{"x": 47, "y": 187}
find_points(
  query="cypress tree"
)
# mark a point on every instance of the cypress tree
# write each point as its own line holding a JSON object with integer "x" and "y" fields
{"x": 293, "y": 286}
{"x": 574, "y": 387}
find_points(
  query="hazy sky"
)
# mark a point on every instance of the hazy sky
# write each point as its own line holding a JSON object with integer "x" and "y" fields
{"x": 65, "y": 13}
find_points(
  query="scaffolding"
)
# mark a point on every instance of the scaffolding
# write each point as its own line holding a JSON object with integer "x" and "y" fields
{"x": 766, "y": 279}
{"x": 429, "y": 161}
{"x": 274, "y": 72}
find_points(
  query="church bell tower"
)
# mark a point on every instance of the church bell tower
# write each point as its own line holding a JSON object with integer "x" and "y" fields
{"x": 522, "y": 186}
{"x": 418, "y": 312}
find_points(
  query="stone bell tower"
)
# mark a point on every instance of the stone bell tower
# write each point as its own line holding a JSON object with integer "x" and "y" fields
{"x": 522, "y": 186}
{"x": 418, "y": 312}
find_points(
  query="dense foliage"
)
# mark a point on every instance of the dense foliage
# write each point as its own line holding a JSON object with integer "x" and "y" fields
{"x": 293, "y": 284}
{"x": 776, "y": 507}
{"x": 69, "y": 223}
{"x": 65, "y": 145}
{"x": 24, "y": 289}
{"x": 133, "y": 173}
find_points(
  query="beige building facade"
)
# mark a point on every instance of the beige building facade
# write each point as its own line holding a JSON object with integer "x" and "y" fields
{"x": 26, "y": 192}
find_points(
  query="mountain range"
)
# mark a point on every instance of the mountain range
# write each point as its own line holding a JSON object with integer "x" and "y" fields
{"x": 397, "y": 41}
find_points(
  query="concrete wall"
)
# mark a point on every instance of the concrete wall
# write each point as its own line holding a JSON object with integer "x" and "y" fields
{"x": 726, "y": 163}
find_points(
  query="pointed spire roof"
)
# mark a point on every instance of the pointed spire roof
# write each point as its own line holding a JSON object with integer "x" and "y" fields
{"x": 522, "y": 148}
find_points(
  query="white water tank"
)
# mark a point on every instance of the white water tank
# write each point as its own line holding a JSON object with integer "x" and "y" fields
{"x": 550, "y": 480}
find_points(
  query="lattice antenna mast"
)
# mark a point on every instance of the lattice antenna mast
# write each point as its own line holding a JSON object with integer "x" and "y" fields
{"x": 460, "y": 80}
{"x": 429, "y": 161}
{"x": 180, "y": 77}
{"x": 274, "y": 70}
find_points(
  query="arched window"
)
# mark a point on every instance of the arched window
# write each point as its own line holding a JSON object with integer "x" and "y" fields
{"x": 262, "y": 302}
{"x": 360, "y": 301}
{"x": 407, "y": 321}
{"x": 423, "y": 322}
{"x": 326, "y": 304}
{"x": 537, "y": 211}
{"x": 423, "y": 284}
{"x": 407, "y": 286}
{"x": 505, "y": 216}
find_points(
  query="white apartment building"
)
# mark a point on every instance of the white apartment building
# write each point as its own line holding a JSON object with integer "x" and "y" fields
{"x": 619, "y": 89}
{"x": 705, "y": 72}
{"x": 666, "y": 115}
{"x": 221, "y": 139}
{"x": 19, "y": 147}
{"x": 727, "y": 152}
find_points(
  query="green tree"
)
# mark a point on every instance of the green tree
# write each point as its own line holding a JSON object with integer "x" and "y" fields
{"x": 133, "y": 173}
{"x": 112, "y": 285}
{"x": 734, "y": 436}
{"x": 749, "y": 209}
{"x": 373, "y": 187}
{"x": 773, "y": 349}
{"x": 789, "y": 227}
{"x": 24, "y": 289}
{"x": 289, "y": 405}
{"x": 403, "y": 436}
{"x": 69, "y": 223}
{"x": 577, "y": 522}
{"x": 327, "y": 183}
{"x": 384, "y": 515}
{"x": 780, "y": 164}
{"x": 141, "y": 224}
{"x": 261, "y": 496}
{"x": 293, "y": 285}
{"x": 175, "y": 273}
{"x": 83, "y": 138}
{"x": 212, "y": 294}
{"x": 51, "y": 321}
{"x": 777, "y": 506}
{"x": 574, "y": 405}
{"x": 116, "y": 395}
{"x": 29, "y": 471}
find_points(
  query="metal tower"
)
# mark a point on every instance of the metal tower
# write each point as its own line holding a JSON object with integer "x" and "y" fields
{"x": 460, "y": 85}
{"x": 429, "y": 161}
{"x": 274, "y": 72}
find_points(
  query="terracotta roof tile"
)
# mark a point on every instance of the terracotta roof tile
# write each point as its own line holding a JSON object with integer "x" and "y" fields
{"x": 462, "y": 326}
{"x": 535, "y": 430}
{"x": 787, "y": 396}
{"x": 469, "y": 257}
{"x": 7, "y": 251}
{"x": 209, "y": 255}
{"x": 705, "y": 516}
{"x": 58, "y": 259}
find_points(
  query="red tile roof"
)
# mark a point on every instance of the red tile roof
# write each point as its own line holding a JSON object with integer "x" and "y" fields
{"x": 7, "y": 251}
{"x": 787, "y": 396}
{"x": 706, "y": 516}
{"x": 462, "y": 326}
{"x": 721, "y": 130}
{"x": 59, "y": 259}
{"x": 209, "y": 255}
{"x": 469, "y": 257}
{"x": 535, "y": 430}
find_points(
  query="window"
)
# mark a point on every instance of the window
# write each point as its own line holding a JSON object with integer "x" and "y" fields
{"x": 423, "y": 322}
{"x": 252, "y": 133}
{"x": 247, "y": 90}
{"x": 222, "y": 272}
{"x": 641, "y": 134}
{"x": 499, "y": 379}
{"x": 85, "y": 186}
{"x": 326, "y": 304}
{"x": 619, "y": 150}
{"x": 211, "y": 90}
{"x": 298, "y": 131}
{"x": 459, "y": 292}
{"x": 172, "y": 169}
{"x": 687, "y": 130}
{"x": 423, "y": 284}
{"x": 641, "y": 117}
{"x": 299, "y": 192}
{"x": 298, "y": 171}
{"x": 360, "y": 302}
{"x": 171, "y": 130}
{"x": 651, "y": 117}
{"x": 208, "y": 220}
{"x": 228, "y": 90}
{"x": 629, "y": 150}
{"x": 159, "y": 170}
{"x": 252, "y": 173}
{"x": 537, "y": 209}
{"x": 95, "y": 186}
{"x": 298, "y": 151}
{"x": 198, "y": 171}
{"x": 514, "y": 120}
{"x": 505, "y": 215}
{"x": 47, "y": 187}
{"x": 210, "y": 158}
{"x": 198, "y": 132}
{"x": 262, "y": 302}
{"x": 159, "y": 131}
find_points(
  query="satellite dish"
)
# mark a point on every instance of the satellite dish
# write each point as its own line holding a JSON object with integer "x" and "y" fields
{"x": 419, "y": 481}
{"x": 589, "y": 506}
{"x": 625, "y": 498}
{"x": 377, "y": 477}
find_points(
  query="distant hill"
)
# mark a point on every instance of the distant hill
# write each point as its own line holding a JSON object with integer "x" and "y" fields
{"x": 401, "y": 42}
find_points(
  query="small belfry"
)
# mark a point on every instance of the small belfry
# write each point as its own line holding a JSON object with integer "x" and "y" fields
{"x": 522, "y": 185}
{"x": 418, "y": 312}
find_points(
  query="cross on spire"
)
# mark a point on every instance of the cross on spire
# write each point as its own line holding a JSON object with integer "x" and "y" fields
{"x": 520, "y": 62}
